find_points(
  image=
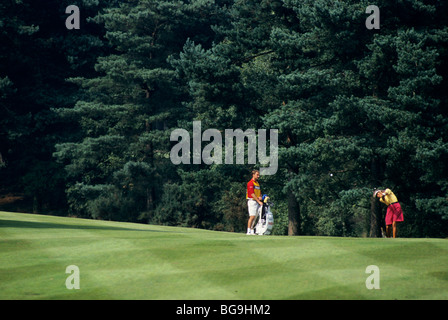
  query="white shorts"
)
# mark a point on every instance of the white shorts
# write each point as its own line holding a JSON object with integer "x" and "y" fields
{"x": 252, "y": 206}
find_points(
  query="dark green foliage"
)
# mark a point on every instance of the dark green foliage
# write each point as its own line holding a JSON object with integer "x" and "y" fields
{"x": 131, "y": 106}
{"x": 37, "y": 55}
{"x": 356, "y": 109}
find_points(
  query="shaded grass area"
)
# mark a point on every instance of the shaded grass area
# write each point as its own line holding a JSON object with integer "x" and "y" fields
{"x": 135, "y": 261}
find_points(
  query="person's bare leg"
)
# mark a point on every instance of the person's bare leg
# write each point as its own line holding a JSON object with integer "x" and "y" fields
{"x": 250, "y": 222}
{"x": 394, "y": 227}
{"x": 388, "y": 231}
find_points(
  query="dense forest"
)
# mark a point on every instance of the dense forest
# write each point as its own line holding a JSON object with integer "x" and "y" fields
{"x": 87, "y": 113}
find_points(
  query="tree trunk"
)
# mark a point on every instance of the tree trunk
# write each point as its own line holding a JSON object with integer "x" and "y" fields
{"x": 377, "y": 173}
{"x": 37, "y": 203}
{"x": 293, "y": 216}
{"x": 375, "y": 218}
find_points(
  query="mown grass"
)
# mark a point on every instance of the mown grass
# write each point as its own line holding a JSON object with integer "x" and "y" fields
{"x": 135, "y": 261}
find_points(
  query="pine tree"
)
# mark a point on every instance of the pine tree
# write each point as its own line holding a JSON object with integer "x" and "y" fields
{"x": 342, "y": 96}
{"x": 224, "y": 83}
{"x": 33, "y": 69}
{"x": 354, "y": 101}
{"x": 130, "y": 108}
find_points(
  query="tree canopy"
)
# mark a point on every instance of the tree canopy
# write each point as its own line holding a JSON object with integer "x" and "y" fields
{"x": 87, "y": 114}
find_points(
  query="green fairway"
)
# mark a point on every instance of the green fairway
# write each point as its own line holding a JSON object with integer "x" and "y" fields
{"x": 135, "y": 261}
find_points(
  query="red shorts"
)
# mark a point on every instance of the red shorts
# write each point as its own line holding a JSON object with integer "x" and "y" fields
{"x": 394, "y": 213}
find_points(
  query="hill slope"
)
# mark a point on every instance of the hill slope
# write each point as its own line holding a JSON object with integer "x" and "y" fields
{"x": 134, "y": 261}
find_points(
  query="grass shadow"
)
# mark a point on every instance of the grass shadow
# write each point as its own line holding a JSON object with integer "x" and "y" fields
{"x": 49, "y": 225}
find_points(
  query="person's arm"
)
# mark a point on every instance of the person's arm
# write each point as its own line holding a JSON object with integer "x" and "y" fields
{"x": 383, "y": 194}
{"x": 256, "y": 199}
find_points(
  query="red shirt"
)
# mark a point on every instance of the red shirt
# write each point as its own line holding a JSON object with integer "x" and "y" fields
{"x": 253, "y": 187}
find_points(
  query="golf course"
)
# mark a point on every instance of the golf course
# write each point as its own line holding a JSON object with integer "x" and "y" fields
{"x": 136, "y": 261}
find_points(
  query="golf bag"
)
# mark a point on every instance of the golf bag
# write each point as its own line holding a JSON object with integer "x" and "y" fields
{"x": 265, "y": 218}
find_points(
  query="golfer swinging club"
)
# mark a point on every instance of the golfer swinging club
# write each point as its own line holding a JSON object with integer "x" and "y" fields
{"x": 394, "y": 212}
{"x": 253, "y": 197}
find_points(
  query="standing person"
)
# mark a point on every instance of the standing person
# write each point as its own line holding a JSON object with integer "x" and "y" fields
{"x": 394, "y": 212}
{"x": 253, "y": 196}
